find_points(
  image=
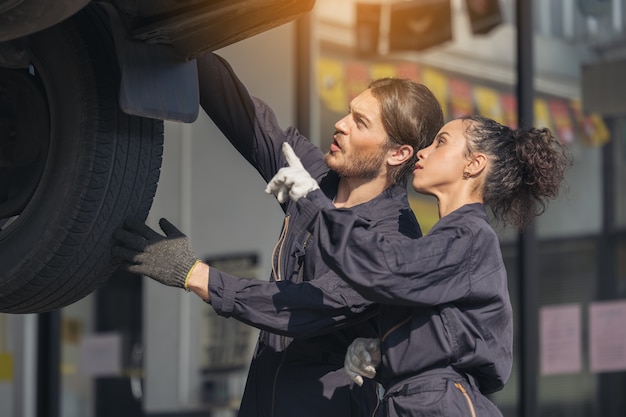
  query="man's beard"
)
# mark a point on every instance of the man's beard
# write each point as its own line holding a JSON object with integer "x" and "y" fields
{"x": 361, "y": 165}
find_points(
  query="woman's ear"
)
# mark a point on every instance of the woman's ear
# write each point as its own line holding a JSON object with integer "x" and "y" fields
{"x": 400, "y": 154}
{"x": 476, "y": 164}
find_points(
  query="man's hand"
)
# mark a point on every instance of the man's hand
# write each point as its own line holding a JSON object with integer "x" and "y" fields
{"x": 167, "y": 259}
{"x": 293, "y": 181}
{"x": 362, "y": 358}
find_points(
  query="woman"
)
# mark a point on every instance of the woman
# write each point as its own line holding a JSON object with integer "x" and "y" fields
{"x": 446, "y": 328}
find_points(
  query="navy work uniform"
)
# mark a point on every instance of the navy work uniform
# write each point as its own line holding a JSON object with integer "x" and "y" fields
{"x": 446, "y": 317}
{"x": 305, "y": 329}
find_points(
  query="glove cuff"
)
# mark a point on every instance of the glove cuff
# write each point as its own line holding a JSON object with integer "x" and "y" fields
{"x": 182, "y": 266}
{"x": 189, "y": 274}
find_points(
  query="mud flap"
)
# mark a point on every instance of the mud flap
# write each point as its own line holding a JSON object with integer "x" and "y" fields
{"x": 156, "y": 82}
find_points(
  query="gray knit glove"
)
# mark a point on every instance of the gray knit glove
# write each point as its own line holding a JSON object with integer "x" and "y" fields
{"x": 167, "y": 259}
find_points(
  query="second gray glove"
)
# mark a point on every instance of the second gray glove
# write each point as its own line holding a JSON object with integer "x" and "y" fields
{"x": 167, "y": 259}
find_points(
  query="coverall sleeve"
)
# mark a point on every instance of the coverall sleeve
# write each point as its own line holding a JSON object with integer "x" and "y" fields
{"x": 302, "y": 309}
{"x": 249, "y": 123}
{"x": 431, "y": 270}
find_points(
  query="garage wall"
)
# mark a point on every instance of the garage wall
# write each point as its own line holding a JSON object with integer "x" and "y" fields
{"x": 217, "y": 199}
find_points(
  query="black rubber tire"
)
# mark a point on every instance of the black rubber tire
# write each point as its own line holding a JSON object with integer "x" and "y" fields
{"x": 102, "y": 166}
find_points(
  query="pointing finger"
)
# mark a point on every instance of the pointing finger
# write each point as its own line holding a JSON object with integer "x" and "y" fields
{"x": 291, "y": 157}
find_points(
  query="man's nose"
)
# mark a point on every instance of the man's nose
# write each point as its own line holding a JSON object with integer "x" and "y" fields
{"x": 341, "y": 126}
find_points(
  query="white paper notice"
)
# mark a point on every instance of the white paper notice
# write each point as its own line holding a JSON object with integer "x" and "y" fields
{"x": 607, "y": 336}
{"x": 560, "y": 339}
{"x": 101, "y": 355}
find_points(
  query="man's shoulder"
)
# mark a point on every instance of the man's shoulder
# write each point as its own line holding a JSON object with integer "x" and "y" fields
{"x": 391, "y": 203}
{"x": 391, "y": 213}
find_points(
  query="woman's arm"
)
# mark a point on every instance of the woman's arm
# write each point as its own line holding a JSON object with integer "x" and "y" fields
{"x": 431, "y": 270}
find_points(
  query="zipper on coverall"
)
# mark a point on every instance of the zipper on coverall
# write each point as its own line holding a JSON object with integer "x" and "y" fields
{"x": 277, "y": 275}
{"x": 278, "y": 249}
{"x": 461, "y": 388}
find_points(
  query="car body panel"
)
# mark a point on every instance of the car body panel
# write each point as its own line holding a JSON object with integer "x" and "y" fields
{"x": 190, "y": 26}
{"x": 214, "y": 24}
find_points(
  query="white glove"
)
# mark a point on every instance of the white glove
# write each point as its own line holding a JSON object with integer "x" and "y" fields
{"x": 362, "y": 358}
{"x": 293, "y": 181}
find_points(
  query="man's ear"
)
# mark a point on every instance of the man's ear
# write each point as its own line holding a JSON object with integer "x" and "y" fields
{"x": 400, "y": 154}
{"x": 476, "y": 164}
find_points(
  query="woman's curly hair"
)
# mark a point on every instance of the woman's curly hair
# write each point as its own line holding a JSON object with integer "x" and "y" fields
{"x": 526, "y": 168}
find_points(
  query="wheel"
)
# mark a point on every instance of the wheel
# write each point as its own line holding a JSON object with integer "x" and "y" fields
{"x": 72, "y": 166}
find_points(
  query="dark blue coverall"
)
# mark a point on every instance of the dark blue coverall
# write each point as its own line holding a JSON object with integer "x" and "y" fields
{"x": 446, "y": 320}
{"x": 306, "y": 329}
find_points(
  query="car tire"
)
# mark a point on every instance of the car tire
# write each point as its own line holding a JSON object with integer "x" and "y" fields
{"x": 73, "y": 167}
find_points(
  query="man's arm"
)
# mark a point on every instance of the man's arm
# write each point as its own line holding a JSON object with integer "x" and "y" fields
{"x": 249, "y": 123}
{"x": 292, "y": 309}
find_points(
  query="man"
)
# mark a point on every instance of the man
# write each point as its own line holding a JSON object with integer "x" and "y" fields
{"x": 296, "y": 369}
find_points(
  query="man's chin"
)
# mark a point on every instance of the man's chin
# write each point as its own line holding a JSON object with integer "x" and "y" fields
{"x": 330, "y": 160}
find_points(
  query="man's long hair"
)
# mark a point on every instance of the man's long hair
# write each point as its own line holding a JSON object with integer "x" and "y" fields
{"x": 411, "y": 115}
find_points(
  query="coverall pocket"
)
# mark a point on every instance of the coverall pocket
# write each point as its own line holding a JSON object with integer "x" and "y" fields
{"x": 424, "y": 400}
{"x": 447, "y": 398}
